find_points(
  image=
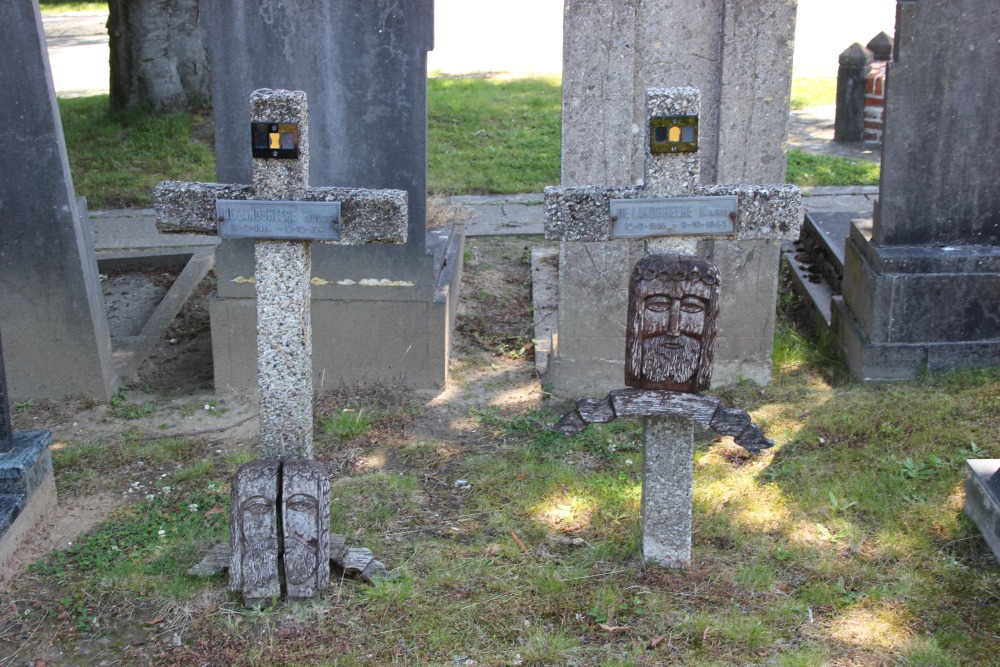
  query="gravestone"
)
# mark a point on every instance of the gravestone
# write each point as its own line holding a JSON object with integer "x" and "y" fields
{"x": 280, "y": 511}
{"x": 363, "y": 66}
{"x": 739, "y": 55}
{"x": 672, "y": 311}
{"x": 921, "y": 289}
{"x": 615, "y": 50}
{"x": 54, "y": 324}
{"x": 737, "y": 227}
{"x": 27, "y": 485}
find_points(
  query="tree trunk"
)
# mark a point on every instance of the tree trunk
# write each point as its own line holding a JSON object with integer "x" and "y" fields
{"x": 158, "y": 62}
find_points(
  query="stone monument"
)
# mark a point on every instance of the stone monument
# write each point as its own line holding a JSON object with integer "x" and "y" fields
{"x": 716, "y": 221}
{"x": 672, "y": 311}
{"x": 54, "y": 325}
{"x": 739, "y": 56}
{"x": 921, "y": 290}
{"x": 27, "y": 485}
{"x": 363, "y": 65}
{"x": 280, "y": 512}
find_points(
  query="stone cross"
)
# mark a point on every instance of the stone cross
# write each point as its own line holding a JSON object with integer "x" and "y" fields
{"x": 6, "y": 428}
{"x": 671, "y": 209}
{"x": 283, "y": 268}
{"x": 280, "y": 514}
{"x": 672, "y": 311}
{"x": 673, "y": 305}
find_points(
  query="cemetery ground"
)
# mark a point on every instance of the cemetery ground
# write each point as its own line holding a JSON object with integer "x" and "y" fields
{"x": 843, "y": 545}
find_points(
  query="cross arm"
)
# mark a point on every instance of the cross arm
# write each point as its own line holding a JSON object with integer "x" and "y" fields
{"x": 366, "y": 216}
{"x": 706, "y": 410}
{"x": 582, "y": 213}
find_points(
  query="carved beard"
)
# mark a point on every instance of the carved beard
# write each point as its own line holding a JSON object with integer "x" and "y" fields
{"x": 301, "y": 559}
{"x": 264, "y": 556}
{"x": 676, "y": 365}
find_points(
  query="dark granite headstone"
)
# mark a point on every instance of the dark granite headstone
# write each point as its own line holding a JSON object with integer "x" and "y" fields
{"x": 6, "y": 429}
{"x": 850, "y": 120}
{"x": 363, "y": 66}
{"x": 54, "y": 326}
{"x": 922, "y": 291}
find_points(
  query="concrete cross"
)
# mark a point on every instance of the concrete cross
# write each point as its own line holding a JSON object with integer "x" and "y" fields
{"x": 671, "y": 210}
{"x": 280, "y": 515}
{"x": 283, "y": 266}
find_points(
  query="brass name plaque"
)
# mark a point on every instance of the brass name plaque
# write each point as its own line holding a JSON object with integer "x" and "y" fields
{"x": 278, "y": 220}
{"x": 674, "y": 216}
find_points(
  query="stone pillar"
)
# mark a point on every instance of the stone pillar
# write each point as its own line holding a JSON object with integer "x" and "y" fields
{"x": 53, "y": 321}
{"x": 922, "y": 293}
{"x": 851, "y": 76}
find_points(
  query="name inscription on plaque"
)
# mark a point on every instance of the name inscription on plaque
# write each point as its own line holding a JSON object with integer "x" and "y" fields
{"x": 676, "y": 216}
{"x": 278, "y": 220}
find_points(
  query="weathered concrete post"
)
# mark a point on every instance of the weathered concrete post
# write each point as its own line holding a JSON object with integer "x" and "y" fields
{"x": 849, "y": 125}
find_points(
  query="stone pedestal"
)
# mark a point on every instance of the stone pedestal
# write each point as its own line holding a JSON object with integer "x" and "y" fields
{"x": 922, "y": 291}
{"x": 982, "y": 499}
{"x": 27, "y": 491}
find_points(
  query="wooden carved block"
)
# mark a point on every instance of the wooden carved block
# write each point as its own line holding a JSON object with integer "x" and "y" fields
{"x": 305, "y": 507}
{"x": 253, "y": 568}
{"x": 673, "y": 304}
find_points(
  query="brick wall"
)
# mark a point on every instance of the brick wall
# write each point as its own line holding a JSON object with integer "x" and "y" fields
{"x": 874, "y": 104}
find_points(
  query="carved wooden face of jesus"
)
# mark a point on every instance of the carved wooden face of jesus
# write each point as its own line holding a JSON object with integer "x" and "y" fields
{"x": 672, "y": 310}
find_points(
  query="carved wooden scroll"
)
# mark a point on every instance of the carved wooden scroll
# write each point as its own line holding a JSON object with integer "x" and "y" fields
{"x": 706, "y": 410}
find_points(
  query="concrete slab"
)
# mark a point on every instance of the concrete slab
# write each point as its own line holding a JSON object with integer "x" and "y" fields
{"x": 982, "y": 499}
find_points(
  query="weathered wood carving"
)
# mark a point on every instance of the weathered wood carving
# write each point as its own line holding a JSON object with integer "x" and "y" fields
{"x": 706, "y": 410}
{"x": 673, "y": 306}
{"x": 254, "y": 532}
{"x": 305, "y": 511}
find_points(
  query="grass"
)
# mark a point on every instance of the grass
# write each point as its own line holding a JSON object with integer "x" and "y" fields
{"x": 806, "y": 169}
{"x": 844, "y": 544}
{"x": 116, "y": 162}
{"x": 493, "y": 135}
{"x": 484, "y": 136}
{"x": 813, "y": 91}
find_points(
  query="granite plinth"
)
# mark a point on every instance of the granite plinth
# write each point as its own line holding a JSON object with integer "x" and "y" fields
{"x": 23, "y": 472}
{"x": 982, "y": 499}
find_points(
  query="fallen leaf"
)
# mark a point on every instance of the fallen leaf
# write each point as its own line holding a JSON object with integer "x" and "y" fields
{"x": 519, "y": 542}
{"x": 39, "y": 663}
{"x": 656, "y": 641}
{"x": 614, "y": 628}
{"x": 215, "y": 510}
{"x": 155, "y": 621}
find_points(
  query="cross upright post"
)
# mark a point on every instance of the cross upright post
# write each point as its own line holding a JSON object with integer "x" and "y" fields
{"x": 283, "y": 271}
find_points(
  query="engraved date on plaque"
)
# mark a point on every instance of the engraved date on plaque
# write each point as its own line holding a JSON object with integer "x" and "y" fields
{"x": 676, "y": 216}
{"x": 278, "y": 220}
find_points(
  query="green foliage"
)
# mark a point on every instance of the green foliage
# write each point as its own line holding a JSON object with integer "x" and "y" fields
{"x": 117, "y": 161}
{"x": 806, "y": 169}
{"x": 346, "y": 424}
{"x": 813, "y": 91}
{"x": 141, "y": 543}
{"x": 489, "y": 135}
